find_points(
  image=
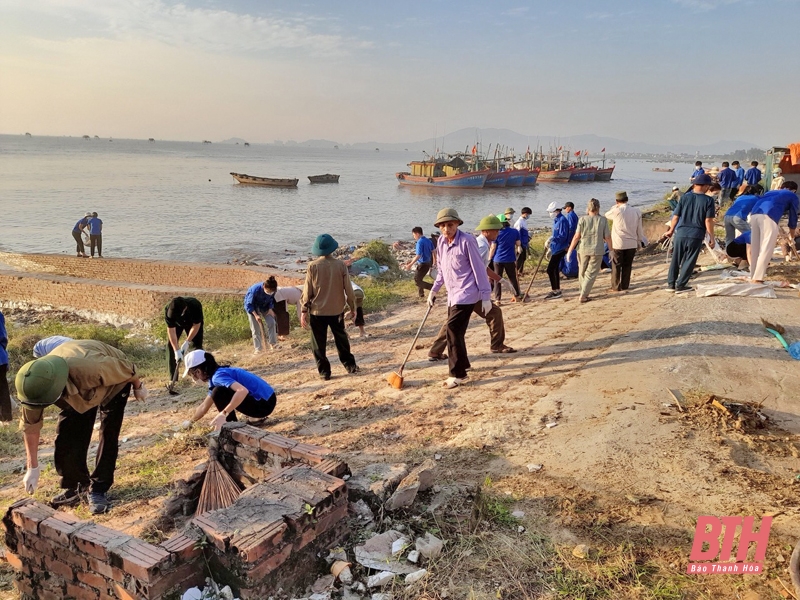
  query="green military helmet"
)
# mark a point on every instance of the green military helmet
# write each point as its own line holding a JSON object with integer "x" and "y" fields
{"x": 41, "y": 381}
{"x": 502, "y": 218}
{"x": 488, "y": 223}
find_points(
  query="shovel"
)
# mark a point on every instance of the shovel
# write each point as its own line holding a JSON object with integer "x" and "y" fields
{"x": 396, "y": 379}
{"x": 171, "y": 385}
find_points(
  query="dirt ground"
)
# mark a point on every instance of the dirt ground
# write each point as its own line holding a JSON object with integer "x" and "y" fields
{"x": 586, "y": 396}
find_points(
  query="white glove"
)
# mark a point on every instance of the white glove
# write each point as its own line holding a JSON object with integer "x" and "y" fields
{"x": 141, "y": 393}
{"x": 431, "y": 298}
{"x": 178, "y": 355}
{"x": 184, "y": 347}
{"x": 486, "y": 306}
{"x": 568, "y": 257}
{"x": 31, "y": 480}
{"x": 186, "y": 424}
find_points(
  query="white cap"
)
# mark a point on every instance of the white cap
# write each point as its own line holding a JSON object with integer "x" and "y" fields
{"x": 88, "y": 214}
{"x": 675, "y": 188}
{"x": 194, "y": 359}
{"x": 553, "y": 207}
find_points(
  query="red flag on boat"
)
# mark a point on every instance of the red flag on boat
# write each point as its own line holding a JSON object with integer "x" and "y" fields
{"x": 578, "y": 153}
{"x": 603, "y": 150}
{"x": 475, "y": 149}
{"x": 559, "y": 148}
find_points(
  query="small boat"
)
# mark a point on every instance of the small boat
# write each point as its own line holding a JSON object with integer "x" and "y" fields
{"x": 206, "y": 142}
{"x": 604, "y": 174}
{"x": 663, "y": 170}
{"x": 86, "y": 137}
{"x": 497, "y": 179}
{"x": 246, "y": 144}
{"x": 555, "y": 176}
{"x": 27, "y": 134}
{"x": 269, "y": 181}
{"x": 327, "y": 178}
{"x": 150, "y": 140}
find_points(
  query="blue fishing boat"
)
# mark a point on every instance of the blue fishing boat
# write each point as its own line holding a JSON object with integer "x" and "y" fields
{"x": 497, "y": 179}
{"x": 531, "y": 177}
{"x": 516, "y": 177}
{"x": 438, "y": 173}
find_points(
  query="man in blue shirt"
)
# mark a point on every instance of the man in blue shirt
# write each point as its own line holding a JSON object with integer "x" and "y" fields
{"x": 77, "y": 234}
{"x": 753, "y": 174}
{"x": 423, "y": 259}
{"x": 736, "y": 217}
{"x": 764, "y": 218}
{"x": 5, "y": 395}
{"x": 524, "y": 239}
{"x": 258, "y": 305}
{"x": 727, "y": 181}
{"x": 504, "y": 255}
{"x": 96, "y": 235}
{"x": 559, "y": 242}
{"x": 698, "y": 170}
{"x": 692, "y": 219}
{"x": 737, "y": 168}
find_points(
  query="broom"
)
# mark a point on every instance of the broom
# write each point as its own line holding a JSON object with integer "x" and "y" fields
{"x": 219, "y": 488}
{"x": 396, "y": 379}
{"x": 541, "y": 258}
{"x": 778, "y": 331}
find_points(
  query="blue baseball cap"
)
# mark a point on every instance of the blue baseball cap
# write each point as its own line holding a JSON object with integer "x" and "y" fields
{"x": 702, "y": 180}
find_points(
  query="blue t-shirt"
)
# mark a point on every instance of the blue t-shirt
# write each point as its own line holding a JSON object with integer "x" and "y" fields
{"x": 698, "y": 171}
{"x": 572, "y": 217}
{"x": 752, "y": 175}
{"x": 95, "y": 226}
{"x": 775, "y": 203}
{"x": 506, "y": 241}
{"x": 739, "y": 176}
{"x": 743, "y": 239}
{"x": 255, "y": 386}
{"x": 727, "y": 178}
{"x": 560, "y": 240}
{"x": 693, "y": 210}
{"x": 425, "y": 250}
{"x": 3, "y": 341}
{"x": 48, "y": 344}
{"x": 82, "y": 223}
{"x": 742, "y": 207}
{"x": 257, "y": 299}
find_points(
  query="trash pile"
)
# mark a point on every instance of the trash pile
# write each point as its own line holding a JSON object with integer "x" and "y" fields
{"x": 727, "y": 415}
{"x": 210, "y": 592}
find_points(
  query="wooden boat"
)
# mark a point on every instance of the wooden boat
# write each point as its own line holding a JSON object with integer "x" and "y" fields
{"x": 497, "y": 179}
{"x": 663, "y": 170}
{"x": 440, "y": 173}
{"x": 269, "y": 181}
{"x": 604, "y": 174}
{"x": 555, "y": 176}
{"x": 327, "y": 178}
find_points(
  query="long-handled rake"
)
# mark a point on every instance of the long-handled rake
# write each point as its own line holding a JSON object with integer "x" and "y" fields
{"x": 541, "y": 258}
{"x": 396, "y": 379}
{"x": 171, "y": 385}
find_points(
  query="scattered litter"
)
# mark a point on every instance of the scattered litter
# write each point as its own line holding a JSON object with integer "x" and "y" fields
{"x": 341, "y": 571}
{"x": 413, "y": 557}
{"x": 581, "y": 551}
{"x": 752, "y": 290}
{"x": 518, "y": 514}
{"x": 430, "y": 546}
{"x": 380, "y": 579}
{"x": 323, "y": 584}
{"x": 534, "y": 467}
{"x": 520, "y": 529}
{"x": 437, "y": 457}
{"x": 399, "y": 546}
{"x": 376, "y": 553}
{"x": 124, "y": 440}
{"x": 416, "y": 576}
{"x": 551, "y": 425}
{"x": 210, "y": 592}
{"x": 325, "y": 407}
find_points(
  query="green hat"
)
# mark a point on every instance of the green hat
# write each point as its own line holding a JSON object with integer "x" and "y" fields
{"x": 447, "y": 214}
{"x": 41, "y": 381}
{"x": 490, "y": 222}
{"x": 324, "y": 245}
{"x": 502, "y": 219}
{"x": 620, "y": 196}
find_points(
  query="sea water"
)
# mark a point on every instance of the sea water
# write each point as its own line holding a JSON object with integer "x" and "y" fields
{"x": 176, "y": 200}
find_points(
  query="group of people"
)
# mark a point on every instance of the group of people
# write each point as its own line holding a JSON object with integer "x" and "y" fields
{"x": 92, "y": 226}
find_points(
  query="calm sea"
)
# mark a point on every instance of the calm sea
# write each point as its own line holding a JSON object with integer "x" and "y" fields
{"x": 176, "y": 200}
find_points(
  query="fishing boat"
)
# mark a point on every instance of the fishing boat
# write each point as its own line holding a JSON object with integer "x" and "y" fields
{"x": 438, "y": 173}
{"x": 497, "y": 179}
{"x": 555, "y": 175}
{"x": 268, "y": 181}
{"x": 327, "y": 178}
{"x": 663, "y": 170}
{"x": 516, "y": 177}
{"x": 583, "y": 174}
{"x": 531, "y": 177}
{"x": 604, "y": 174}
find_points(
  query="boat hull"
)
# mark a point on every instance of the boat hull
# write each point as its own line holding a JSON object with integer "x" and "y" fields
{"x": 498, "y": 179}
{"x": 583, "y": 175}
{"x": 516, "y": 178}
{"x": 264, "y": 181}
{"x": 604, "y": 174}
{"x": 531, "y": 177}
{"x": 327, "y": 178}
{"x": 558, "y": 176}
{"x": 471, "y": 180}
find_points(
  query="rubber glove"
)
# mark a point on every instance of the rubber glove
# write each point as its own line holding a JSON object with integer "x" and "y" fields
{"x": 431, "y": 298}
{"x": 141, "y": 393}
{"x": 184, "y": 347}
{"x": 218, "y": 421}
{"x": 31, "y": 480}
{"x": 486, "y": 306}
{"x": 178, "y": 355}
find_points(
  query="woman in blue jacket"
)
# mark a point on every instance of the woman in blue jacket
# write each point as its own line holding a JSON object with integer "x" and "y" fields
{"x": 559, "y": 242}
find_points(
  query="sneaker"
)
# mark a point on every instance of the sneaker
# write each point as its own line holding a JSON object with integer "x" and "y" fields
{"x": 354, "y": 369}
{"x": 66, "y": 498}
{"x": 668, "y": 289}
{"x": 275, "y": 347}
{"x": 683, "y": 290}
{"x": 437, "y": 357}
{"x": 98, "y": 503}
{"x": 554, "y": 295}
{"x": 325, "y": 376}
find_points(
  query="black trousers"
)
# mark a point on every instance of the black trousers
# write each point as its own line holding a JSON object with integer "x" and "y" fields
{"x": 79, "y": 247}
{"x": 5, "y": 395}
{"x": 457, "y": 322}
{"x": 73, "y": 436}
{"x": 197, "y": 343}
{"x": 553, "y": 270}
{"x": 422, "y": 270}
{"x": 621, "y": 268}
{"x": 96, "y": 241}
{"x": 523, "y": 256}
{"x": 250, "y": 407}
{"x": 510, "y": 269}
{"x": 684, "y": 258}
{"x": 282, "y": 318}
{"x": 319, "y": 337}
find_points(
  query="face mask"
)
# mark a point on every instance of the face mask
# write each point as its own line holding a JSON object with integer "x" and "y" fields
{"x": 553, "y": 214}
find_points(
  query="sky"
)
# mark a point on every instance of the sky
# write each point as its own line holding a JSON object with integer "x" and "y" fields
{"x": 659, "y": 71}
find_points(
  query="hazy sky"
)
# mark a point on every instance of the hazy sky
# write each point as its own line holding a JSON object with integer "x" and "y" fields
{"x": 661, "y": 71}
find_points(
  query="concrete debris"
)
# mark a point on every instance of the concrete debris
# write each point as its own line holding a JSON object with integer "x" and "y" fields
{"x": 413, "y": 557}
{"x": 399, "y": 546}
{"x": 430, "y": 546}
{"x": 517, "y": 514}
{"x": 376, "y": 482}
{"x": 382, "y": 596}
{"x": 376, "y": 553}
{"x": 420, "y": 479}
{"x": 320, "y": 596}
{"x": 337, "y": 554}
{"x": 416, "y": 576}
{"x": 532, "y": 467}
{"x": 323, "y": 584}
{"x": 551, "y": 425}
{"x": 362, "y": 511}
{"x": 359, "y": 587}
{"x": 437, "y": 457}
{"x": 380, "y": 579}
